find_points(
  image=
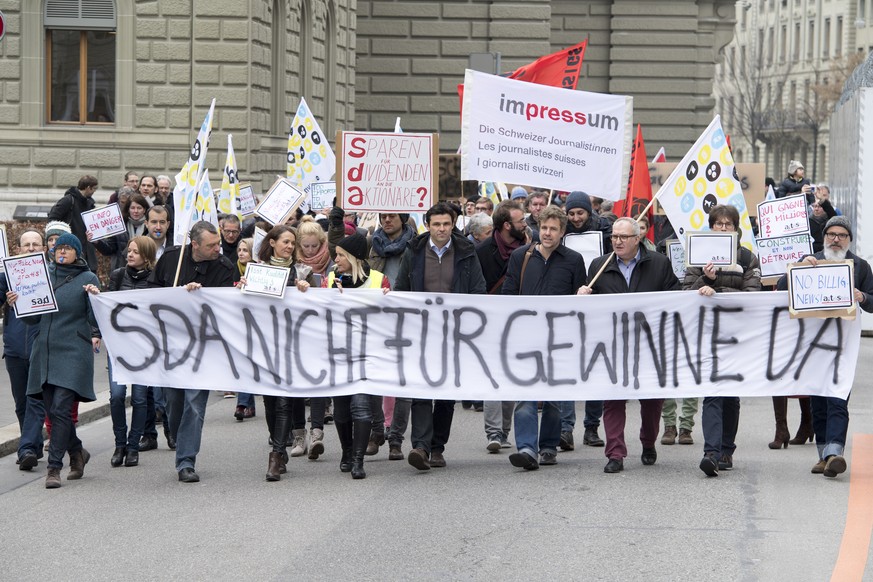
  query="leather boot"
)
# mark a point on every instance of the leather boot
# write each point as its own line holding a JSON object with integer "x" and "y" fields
{"x": 805, "y": 432}
{"x": 281, "y": 417}
{"x": 171, "y": 442}
{"x": 78, "y": 460}
{"x": 53, "y": 478}
{"x": 344, "y": 431}
{"x": 118, "y": 457}
{"x": 360, "y": 442}
{"x": 780, "y": 410}
{"x": 274, "y": 467}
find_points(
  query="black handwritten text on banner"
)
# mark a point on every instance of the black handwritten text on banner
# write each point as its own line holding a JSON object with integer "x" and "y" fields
{"x": 423, "y": 345}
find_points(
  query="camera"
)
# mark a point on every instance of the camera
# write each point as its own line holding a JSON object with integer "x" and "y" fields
{"x": 811, "y": 189}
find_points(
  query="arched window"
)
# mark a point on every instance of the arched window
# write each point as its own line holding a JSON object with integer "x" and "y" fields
{"x": 80, "y": 61}
{"x": 278, "y": 103}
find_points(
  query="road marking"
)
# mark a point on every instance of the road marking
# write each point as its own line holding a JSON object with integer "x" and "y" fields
{"x": 854, "y": 548}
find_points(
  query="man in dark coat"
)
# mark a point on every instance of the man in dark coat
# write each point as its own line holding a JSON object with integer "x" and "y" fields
{"x": 830, "y": 415}
{"x": 69, "y": 209}
{"x": 634, "y": 270}
{"x": 203, "y": 265}
{"x": 438, "y": 261}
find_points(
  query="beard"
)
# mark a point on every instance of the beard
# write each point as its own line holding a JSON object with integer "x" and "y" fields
{"x": 835, "y": 254}
{"x": 517, "y": 234}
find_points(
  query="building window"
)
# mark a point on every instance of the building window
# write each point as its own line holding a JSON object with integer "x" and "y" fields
{"x": 810, "y": 40}
{"x": 771, "y": 46}
{"x": 838, "y": 50}
{"x": 783, "y": 50}
{"x": 826, "y": 38}
{"x": 796, "y": 43}
{"x": 80, "y": 63}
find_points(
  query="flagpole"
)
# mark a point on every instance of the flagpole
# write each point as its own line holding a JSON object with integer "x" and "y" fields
{"x": 549, "y": 201}
{"x": 182, "y": 251}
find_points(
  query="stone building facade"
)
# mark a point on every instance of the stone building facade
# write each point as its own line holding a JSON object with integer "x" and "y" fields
{"x": 359, "y": 63}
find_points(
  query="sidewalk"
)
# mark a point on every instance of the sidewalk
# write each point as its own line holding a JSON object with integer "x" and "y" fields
{"x": 88, "y": 411}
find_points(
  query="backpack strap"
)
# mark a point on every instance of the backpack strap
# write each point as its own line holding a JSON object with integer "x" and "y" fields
{"x": 527, "y": 256}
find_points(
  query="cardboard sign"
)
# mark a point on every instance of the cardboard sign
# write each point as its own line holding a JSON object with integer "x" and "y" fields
{"x": 258, "y": 240}
{"x": 27, "y": 275}
{"x": 246, "y": 200}
{"x": 387, "y": 172}
{"x": 775, "y": 254}
{"x": 281, "y": 200}
{"x": 718, "y": 248}
{"x": 104, "y": 222}
{"x": 783, "y": 217}
{"x": 676, "y": 254}
{"x": 265, "y": 280}
{"x": 825, "y": 290}
{"x": 321, "y": 195}
{"x": 587, "y": 244}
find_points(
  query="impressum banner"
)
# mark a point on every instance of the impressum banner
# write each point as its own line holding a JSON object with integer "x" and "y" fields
{"x": 476, "y": 347}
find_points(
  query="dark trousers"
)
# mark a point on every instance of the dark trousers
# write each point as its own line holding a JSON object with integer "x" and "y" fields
{"x": 277, "y": 411}
{"x": 153, "y": 405}
{"x": 721, "y": 418}
{"x": 614, "y": 417}
{"x": 59, "y": 405}
{"x": 830, "y": 421}
{"x": 431, "y": 424}
{"x": 17, "y": 369}
{"x": 298, "y": 413}
{"x": 354, "y": 407}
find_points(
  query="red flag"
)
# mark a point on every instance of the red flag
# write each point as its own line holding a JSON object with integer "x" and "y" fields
{"x": 560, "y": 69}
{"x": 639, "y": 186}
{"x": 660, "y": 157}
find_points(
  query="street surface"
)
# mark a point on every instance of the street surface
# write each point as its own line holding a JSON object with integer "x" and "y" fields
{"x": 477, "y": 519}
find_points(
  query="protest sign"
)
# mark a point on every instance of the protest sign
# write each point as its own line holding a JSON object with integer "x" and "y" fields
{"x": 4, "y": 245}
{"x": 104, "y": 222}
{"x": 783, "y": 217}
{"x": 387, "y": 172}
{"x": 281, "y": 200}
{"x": 676, "y": 254}
{"x": 27, "y": 275}
{"x": 247, "y": 202}
{"x": 525, "y": 133}
{"x": 824, "y": 290}
{"x": 476, "y": 347}
{"x": 258, "y": 239}
{"x": 718, "y": 248}
{"x": 587, "y": 244}
{"x": 321, "y": 195}
{"x": 775, "y": 254}
{"x": 266, "y": 279}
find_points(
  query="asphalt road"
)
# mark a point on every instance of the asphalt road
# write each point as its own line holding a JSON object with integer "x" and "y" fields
{"x": 479, "y": 518}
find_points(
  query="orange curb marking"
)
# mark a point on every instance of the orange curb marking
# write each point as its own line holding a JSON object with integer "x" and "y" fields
{"x": 852, "y": 560}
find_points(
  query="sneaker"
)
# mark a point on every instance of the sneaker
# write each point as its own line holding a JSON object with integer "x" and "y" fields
{"x": 395, "y": 453}
{"x": 493, "y": 445}
{"x": 709, "y": 465}
{"x": 591, "y": 438}
{"x": 834, "y": 466}
{"x": 685, "y": 437}
{"x": 229, "y": 395}
{"x": 726, "y": 463}
{"x": 505, "y": 444}
{"x": 567, "y": 441}
{"x": 819, "y": 467}
{"x": 548, "y": 458}
{"x": 669, "y": 437}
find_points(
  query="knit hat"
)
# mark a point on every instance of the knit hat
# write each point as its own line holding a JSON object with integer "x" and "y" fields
{"x": 56, "y": 227}
{"x": 793, "y": 166}
{"x": 355, "y": 245}
{"x": 578, "y": 199}
{"x": 517, "y": 193}
{"x": 839, "y": 221}
{"x": 69, "y": 240}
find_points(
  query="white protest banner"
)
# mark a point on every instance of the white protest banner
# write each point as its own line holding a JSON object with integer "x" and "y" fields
{"x": 310, "y": 157}
{"x": 266, "y": 280}
{"x": 476, "y": 347}
{"x": 260, "y": 235}
{"x": 718, "y": 248}
{"x": 281, "y": 200}
{"x": 247, "y": 202}
{"x": 775, "y": 254}
{"x": 27, "y": 275}
{"x": 783, "y": 217}
{"x": 828, "y": 289}
{"x": 387, "y": 172}
{"x": 587, "y": 244}
{"x": 104, "y": 222}
{"x": 676, "y": 254}
{"x": 525, "y": 133}
{"x": 321, "y": 195}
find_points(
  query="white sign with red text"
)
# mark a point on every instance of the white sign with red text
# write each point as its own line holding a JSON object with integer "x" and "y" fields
{"x": 27, "y": 276}
{"x": 104, "y": 222}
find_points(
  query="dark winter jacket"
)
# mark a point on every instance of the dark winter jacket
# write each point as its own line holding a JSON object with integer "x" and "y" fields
{"x": 69, "y": 209}
{"x": 562, "y": 274}
{"x": 744, "y": 276}
{"x": 594, "y": 222}
{"x": 653, "y": 272}
{"x": 467, "y": 276}
{"x": 128, "y": 278}
{"x": 493, "y": 265}
{"x": 218, "y": 273}
{"x": 791, "y": 186}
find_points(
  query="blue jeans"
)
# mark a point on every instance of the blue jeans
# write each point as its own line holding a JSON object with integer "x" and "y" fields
{"x": 138, "y": 404}
{"x": 59, "y": 404}
{"x": 593, "y": 412}
{"x": 399, "y": 420}
{"x": 155, "y": 401}
{"x": 18, "y": 369}
{"x": 721, "y": 417}
{"x": 526, "y": 440}
{"x": 245, "y": 399}
{"x": 186, "y": 410}
{"x": 31, "y": 433}
{"x": 830, "y": 421}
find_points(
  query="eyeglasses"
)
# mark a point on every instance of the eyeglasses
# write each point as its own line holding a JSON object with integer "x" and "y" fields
{"x": 622, "y": 237}
{"x": 724, "y": 224}
{"x": 837, "y": 235}
{"x": 230, "y": 232}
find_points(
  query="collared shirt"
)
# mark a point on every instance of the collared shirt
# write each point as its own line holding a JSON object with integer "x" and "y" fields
{"x": 439, "y": 251}
{"x": 627, "y": 269}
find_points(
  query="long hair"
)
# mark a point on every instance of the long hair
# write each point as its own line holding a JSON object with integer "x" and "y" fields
{"x": 266, "y": 250}
{"x": 147, "y": 250}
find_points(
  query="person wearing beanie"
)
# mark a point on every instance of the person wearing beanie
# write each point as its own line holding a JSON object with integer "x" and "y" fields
{"x": 518, "y": 193}
{"x": 795, "y": 183}
{"x": 53, "y": 230}
{"x": 582, "y": 218}
{"x": 61, "y": 364}
{"x": 830, "y": 415}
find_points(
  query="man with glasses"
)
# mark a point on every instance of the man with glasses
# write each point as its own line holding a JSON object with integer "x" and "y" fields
{"x": 485, "y": 205}
{"x": 230, "y": 229}
{"x": 830, "y": 416}
{"x": 633, "y": 269}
